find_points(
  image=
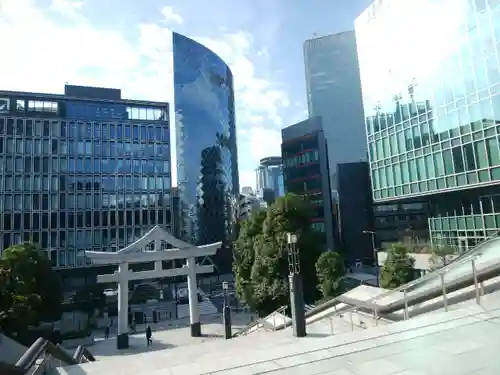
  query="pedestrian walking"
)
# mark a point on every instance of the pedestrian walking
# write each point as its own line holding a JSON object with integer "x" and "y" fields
{"x": 106, "y": 332}
{"x": 148, "y": 336}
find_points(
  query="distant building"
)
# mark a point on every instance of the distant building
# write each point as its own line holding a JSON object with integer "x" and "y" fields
{"x": 269, "y": 178}
{"x": 355, "y": 212}
{"x": 249, "y": 203}
{"x": 305, "y": 171}
{"x": 334, "y": 93}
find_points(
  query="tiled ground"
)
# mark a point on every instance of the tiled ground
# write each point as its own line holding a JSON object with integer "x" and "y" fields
{"x": 459, "y": 342}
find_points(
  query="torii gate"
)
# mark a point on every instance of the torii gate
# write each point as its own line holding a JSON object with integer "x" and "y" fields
{"x": 138, "y": 252}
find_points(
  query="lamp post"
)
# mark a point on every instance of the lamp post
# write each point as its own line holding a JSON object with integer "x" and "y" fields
{"x": 226, "y": 312}
{"x": 296, "y": 291}
{"x": 375, "y": 254}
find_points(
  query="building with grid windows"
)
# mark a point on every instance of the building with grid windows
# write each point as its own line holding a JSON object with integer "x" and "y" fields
{"x": 207, "y": 157}
{"x": 86, "y": 170}
{"x": 430, "y": 78}
{"x": 305, "y": 172}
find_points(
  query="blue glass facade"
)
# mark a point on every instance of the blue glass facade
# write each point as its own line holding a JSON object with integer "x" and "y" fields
{"x": 207, "y": 160}
{"x": 76, "y": 176}
{"x": 430, "y": 74}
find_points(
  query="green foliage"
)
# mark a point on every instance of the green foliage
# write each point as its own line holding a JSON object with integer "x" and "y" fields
{"x": 261, "y": 258}
{"x": 398, "y": 267}
{"x": 330, "y": 269}
{"x": 90, "y": 297}
{"x": 30, "y": 291}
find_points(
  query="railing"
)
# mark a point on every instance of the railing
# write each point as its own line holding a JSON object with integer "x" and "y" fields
{"x": 263, "y": 321}
{"x": 45, "y": 350}
{"x": 475, "y": 277}
{"x": 412, "y": 293}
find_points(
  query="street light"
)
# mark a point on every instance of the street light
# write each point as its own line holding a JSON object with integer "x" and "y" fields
{"x": 296, "y": 292}
{"x": 375, "y": 254}
{"x": 226, "y": 312}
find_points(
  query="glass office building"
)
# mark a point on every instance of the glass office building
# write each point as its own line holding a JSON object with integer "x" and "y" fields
{"x": 334, "y": 94}
{"x": 269, "y": 178}
{"x": 207, "y": 158}
{"x": 430, "y": 78}
{"x": 82, "y": 171}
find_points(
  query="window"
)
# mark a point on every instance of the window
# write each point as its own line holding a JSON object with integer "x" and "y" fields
{"x": 458, "y": 161}
{"x": 480, "y": 153}
{"x": 42, "y": 106}
{"x": 4, "y": 105}
{"x": 493, "y": 151}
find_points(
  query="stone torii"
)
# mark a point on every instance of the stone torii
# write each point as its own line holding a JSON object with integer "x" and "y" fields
{"x": 136, "y": 253}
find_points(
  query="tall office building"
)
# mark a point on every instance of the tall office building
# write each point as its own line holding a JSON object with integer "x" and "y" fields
{"x": 355, "y": 212}
{"x": 431, "y": 92}
{"x": 334, "y": 94}
{"x": 207, "y": 158}
{"x": 269, "y": 178}
{"x": 305, "y": 171}
{"x": 87, "y": 170}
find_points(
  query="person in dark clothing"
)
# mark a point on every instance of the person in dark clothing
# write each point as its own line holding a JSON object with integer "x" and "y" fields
{"x": 148, "y": 335}
{"x": 106, "y": 333}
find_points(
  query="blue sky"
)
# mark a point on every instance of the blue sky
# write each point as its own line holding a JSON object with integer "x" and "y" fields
{"x": 126, "y": 44}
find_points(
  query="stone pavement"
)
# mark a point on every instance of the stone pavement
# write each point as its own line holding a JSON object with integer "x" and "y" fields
{"x": 462, "y": 341}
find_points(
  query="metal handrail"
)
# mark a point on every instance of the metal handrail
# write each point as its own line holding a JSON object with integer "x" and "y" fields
{"x": 42, "y": 346}
{"x": 460, "y": 283}
{"x": 263, "y": 320}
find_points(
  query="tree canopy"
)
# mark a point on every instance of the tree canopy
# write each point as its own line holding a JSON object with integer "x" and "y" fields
{"x": 398, "y": 267}
{"x": 30, "y": 291}
{"x": 330, "y": 269}
{"x": 261, "y": 254}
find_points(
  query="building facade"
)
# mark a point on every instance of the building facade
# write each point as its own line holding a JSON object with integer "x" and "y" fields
{"x": 207, "y": 158}
{"x": 305, "y": 171}
{"x": 432, "y": 118}
{"x": 334, "y": 94}
{"x": 355, "y": 212}
{"x": 86, "y": 170}
{"x": 269, "y": 178}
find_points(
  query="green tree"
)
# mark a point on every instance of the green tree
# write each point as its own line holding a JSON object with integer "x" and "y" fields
{"x": 31, "y": 291}
{"x": 261, "y": 257}
{"x": 330, "y": 269}
{"x": 398, "y": 267}
{"x": 89, "y": 298}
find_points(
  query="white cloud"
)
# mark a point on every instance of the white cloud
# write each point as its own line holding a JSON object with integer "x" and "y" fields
{"x": 142, "y": 68}
{"x": 67, "y": 8}
{"x": 170, "y": 16}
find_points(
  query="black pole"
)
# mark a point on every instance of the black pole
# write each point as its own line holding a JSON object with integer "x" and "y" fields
{"x": 296, "y": 293}
{"x": 226, "y": 315}
{"x": 375, "y": 255}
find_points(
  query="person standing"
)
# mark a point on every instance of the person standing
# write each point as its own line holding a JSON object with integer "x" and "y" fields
{"x": 148, "y": 336}
{"x": 106, "y": 332}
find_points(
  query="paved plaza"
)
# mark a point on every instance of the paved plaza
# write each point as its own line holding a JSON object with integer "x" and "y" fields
{"x": 462, "y": 341}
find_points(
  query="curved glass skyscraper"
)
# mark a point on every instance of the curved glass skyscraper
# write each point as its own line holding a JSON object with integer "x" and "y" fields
{"x": 207, "y": 160}
{"x": 430, "y": 76}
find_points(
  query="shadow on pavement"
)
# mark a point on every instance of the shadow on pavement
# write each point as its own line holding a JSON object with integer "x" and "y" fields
{"x": 137, "y": 344}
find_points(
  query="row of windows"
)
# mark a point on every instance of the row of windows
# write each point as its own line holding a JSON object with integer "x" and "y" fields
{"x": 309, "y": 156}
{"x": 304, "y": 186}
{"x": 302, "y": 172}
{"x": 112, "y": 238}
{"x": 45, "y": 164}
{"x": 296, "y": 146}
{"x": 417, "y": 137}
{"x": 98, "y": 148}
{"x": 83, "y": 130}
{"x": 399, "y": 207}
{"x": 53, "y": 202}
{"x": 469, "y": 157}
{"x": 88, "y": 219}
{"x": 55, "y": 184}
